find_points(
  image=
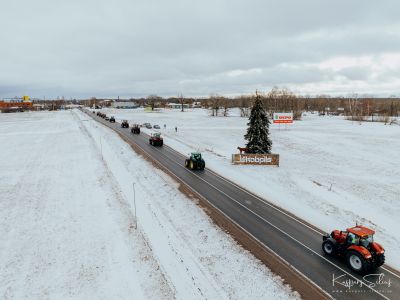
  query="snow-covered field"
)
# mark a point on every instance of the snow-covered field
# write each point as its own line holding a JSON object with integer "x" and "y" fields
{"x": 68, "y": 230}
{"x": 332, "y": 173}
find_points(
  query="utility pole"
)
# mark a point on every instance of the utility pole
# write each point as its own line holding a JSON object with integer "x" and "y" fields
{"x": 134, "y": 203}
{"x": 101, "y": 149}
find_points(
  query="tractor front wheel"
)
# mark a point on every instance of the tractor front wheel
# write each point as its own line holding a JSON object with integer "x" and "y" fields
{"x": 329, "y": 247}
{"x": 202, "y": 165}
{"x": 186, "y": 163}
{"x": 357, "y": 262}
{"x": 191, "y": 165}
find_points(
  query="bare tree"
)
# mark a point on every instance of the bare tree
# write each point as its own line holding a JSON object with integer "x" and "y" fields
{"x": 182, "y": 102}
{"x": 226, "y": 105}
{"x": 215, "y": 104}
{"x": 152, "y": 100}
{"x": 245, "y": 105}
{"x": 283, "y": 100}
{"x": 353, "y": 105}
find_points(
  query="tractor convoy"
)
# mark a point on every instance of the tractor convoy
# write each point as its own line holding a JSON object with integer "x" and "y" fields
{"x": 357, "y": 246}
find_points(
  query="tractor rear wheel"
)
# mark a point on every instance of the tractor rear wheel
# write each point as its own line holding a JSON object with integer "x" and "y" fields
{"x": 357, "y": 262}
{"x": 380, "y": 260}
{"x": 329, "y": 247}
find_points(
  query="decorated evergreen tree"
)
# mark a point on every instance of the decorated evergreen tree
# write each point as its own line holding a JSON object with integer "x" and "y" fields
{"x": 258, "y": 131}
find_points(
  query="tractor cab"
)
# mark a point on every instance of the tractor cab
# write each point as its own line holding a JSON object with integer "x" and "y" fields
{"x": 360, "y": 235}
{"x": 196, "y": 156}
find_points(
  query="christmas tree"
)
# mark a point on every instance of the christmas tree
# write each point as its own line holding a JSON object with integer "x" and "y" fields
{"x": 258, "y": 131}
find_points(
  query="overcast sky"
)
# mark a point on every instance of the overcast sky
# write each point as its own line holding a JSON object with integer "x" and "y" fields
{"x": 83, "y": 48}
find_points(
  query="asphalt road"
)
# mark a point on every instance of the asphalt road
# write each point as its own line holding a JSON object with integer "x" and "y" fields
{"x": 289, "y": 237}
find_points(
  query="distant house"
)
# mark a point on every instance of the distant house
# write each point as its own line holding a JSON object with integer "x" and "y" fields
{"x": 104, "y": 103}
{"x": 38, "y": 106}
{"x": 196, "y": 104}
{"x": 177, "y": 106}
{"x": 71, "y": 106}
{"x": 124, "y": 104}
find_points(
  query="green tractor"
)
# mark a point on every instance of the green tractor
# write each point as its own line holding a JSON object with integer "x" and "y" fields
{"x": 195, "y": 162}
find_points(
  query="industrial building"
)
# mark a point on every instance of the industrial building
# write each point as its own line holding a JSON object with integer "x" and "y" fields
{"x": 15, "y": 104}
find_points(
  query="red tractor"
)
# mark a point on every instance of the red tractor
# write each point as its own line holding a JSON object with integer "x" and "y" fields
{"x": 156, "y": 139}
{"x": 356, "y": 245}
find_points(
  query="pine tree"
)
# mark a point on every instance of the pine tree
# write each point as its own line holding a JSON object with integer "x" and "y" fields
{"x": 258, "y": 131}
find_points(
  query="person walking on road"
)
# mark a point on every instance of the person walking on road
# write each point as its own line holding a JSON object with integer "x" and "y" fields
{"x": 176, "y": 129}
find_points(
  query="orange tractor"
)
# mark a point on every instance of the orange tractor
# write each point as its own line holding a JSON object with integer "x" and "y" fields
{"x": 356, "y": 245}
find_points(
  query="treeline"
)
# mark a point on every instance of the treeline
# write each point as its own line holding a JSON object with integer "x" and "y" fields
{"x": 283, "y": 100}
{"x": 356, "y": 107}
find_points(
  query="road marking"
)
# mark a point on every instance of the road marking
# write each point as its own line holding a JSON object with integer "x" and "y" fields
{"x": 229, "y": 218}
{"x": 321, "y": 232}
{"x": 260, "y": 217}
{"x": 252, "y": 212}
{"x": 249, "y": 210}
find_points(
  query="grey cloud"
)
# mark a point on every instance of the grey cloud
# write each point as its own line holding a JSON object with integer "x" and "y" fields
{"x": 125, "y": 47}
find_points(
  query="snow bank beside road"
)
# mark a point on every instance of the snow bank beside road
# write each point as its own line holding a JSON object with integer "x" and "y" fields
{"x": 64, "y": 224}
{"x": 332, "y": 172}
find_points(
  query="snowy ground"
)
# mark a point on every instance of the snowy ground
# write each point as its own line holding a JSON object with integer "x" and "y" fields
{"x": 333, "y": 172}
{"x": 67, "y": 225}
